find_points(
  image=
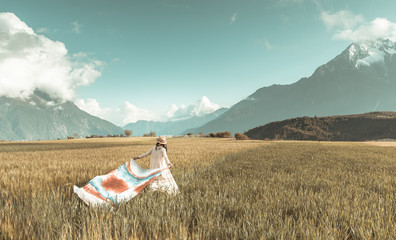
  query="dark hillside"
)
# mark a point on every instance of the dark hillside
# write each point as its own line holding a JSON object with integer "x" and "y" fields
{"x": 359, "y": 127}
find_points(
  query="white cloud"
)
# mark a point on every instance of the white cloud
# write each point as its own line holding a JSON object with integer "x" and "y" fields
{"x": 122, "y": 115}
{"x": 267, "y": 44}
{"x": 129, "y": 113}
{"x": 344, "y": 19}
{"x": 93, "y": 107}
{"x": 29, "y": 61}
{"x": 76, "y": 27}
{"x": 204, "y": 106}
{"x": 200, "y": 108}
{"x": 355, "y": 28}
{"x": 263, "y": 43}
{"x": 132, "y": 113}
{"x": 233, "y": 18}
{"x": 378, "y": 28}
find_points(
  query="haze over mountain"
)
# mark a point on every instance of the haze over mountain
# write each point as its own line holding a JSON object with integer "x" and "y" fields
{"x": 178, "y": 119}
{"x": 42, "y": 117}
{"x": 177, "y": 127}
{"x": 360, "y": 79}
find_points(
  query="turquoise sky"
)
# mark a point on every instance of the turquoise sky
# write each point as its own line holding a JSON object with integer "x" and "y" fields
{"x": 158, "y": 53}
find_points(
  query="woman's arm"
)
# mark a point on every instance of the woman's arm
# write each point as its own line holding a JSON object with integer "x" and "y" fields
{"x": 144, "y": 155}
{"x": 166, "y": 157}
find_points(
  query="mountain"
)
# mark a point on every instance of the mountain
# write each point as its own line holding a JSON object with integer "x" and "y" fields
{"x": 179, "y": 127}
{"x": 361, "y": 79}
{"x": 41, "y": 117}
{"x": 359, "y": 127}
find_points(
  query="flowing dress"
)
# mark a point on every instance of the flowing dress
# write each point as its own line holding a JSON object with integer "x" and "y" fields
{"x": 164, "y": 182}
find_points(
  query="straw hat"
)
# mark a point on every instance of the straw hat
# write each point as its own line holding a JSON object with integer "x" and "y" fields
{"x": 161, "y": 140}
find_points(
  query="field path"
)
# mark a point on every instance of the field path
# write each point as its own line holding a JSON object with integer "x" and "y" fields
{"x": 382, "y": 144}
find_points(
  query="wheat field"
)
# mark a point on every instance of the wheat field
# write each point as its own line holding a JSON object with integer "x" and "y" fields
{"x": 228, "y": 190}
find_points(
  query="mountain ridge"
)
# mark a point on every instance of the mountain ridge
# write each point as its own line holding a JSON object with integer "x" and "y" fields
{"x": 41, "y": 117}
{"x": 341, "y": 86}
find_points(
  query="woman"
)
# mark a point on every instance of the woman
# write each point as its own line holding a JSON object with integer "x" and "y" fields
{"x": 159, "y": 159}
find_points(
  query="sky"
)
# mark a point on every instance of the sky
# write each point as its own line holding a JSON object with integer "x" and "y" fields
{"x": 128, "y": 60}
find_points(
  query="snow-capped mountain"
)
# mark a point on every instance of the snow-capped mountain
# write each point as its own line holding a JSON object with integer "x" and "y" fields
{"x": 360, "y": 79}
{"x": 367, "y": 56}
{"x": 371, "y": 52}
{"x": 41, "y": 117}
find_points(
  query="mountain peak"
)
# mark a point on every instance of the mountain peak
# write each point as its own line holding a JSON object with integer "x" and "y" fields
{"x": 365, "y": 53}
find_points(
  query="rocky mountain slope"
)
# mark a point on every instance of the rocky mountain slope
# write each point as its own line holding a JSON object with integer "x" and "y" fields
{"x": 41, "y": 117}
{"x": 360, "y": 79}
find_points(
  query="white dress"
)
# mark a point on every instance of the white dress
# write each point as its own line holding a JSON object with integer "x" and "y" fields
{"x": 164, "y": 182}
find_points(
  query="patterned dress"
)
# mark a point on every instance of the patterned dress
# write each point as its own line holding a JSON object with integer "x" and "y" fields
{"x": 164, "y": 182}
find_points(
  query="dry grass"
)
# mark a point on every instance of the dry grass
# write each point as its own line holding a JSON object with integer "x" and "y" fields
{"x": 39, "y": 166}
{"x": 229, "y": 190}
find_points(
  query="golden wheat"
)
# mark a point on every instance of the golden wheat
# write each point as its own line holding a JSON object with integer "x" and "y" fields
{"x": 229, "y": 190}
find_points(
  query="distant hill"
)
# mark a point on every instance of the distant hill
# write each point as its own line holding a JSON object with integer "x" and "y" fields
{"x": 361, "y": 79}
{"x": 41, "y": 117}
{"x": 172, "y": 127}
{"x": 359, "y": 127}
